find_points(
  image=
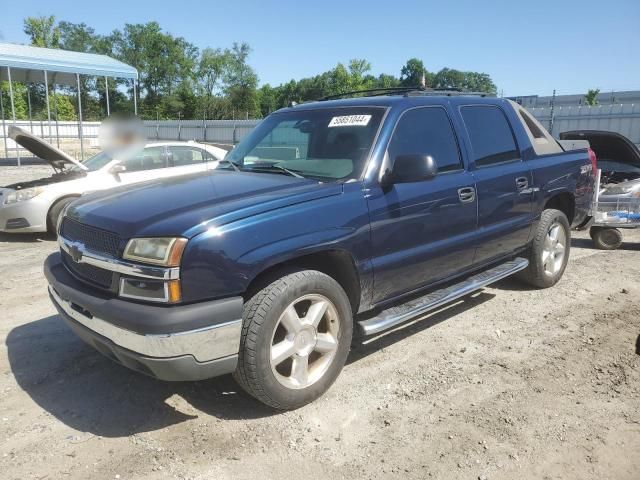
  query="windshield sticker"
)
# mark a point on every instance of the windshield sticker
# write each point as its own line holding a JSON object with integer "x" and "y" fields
{"x": 350, "y": 121}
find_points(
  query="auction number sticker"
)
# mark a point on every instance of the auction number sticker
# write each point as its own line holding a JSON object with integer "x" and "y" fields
{"x": 350, "y": 121}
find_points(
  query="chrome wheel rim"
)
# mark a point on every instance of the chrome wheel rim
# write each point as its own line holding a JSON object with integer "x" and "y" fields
{"x": 304, "y": 341}
{"x": 555, "y": 245}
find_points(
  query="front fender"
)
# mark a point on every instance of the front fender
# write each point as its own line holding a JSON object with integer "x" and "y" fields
{"x": 223, "y": 261}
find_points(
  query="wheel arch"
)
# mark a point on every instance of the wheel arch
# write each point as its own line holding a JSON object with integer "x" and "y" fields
{"x": 336, "y": 263}
{"x": 565, "y": 202}
{"x": 71, "y": 196}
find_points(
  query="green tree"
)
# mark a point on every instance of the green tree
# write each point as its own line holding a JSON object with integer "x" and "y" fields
{"x": 478, "y": 82}
{"x": 449, "y": 78}
{"x": 212, "y": 66}
{"x": 471, "y": 81}
{"x": 163, "y": 61}
{"x": 19, "y": 100}
{"x": 62, "y": 106}
{"x": 385, "y": 80}
{"x": 241, "y": 83}
{"x": 79, "y": 37}
{"x": 412, "y": 73}
{"x": 42, "y": 31}
{"x": 268, "y": 99}
{"x": 591, "y": 98}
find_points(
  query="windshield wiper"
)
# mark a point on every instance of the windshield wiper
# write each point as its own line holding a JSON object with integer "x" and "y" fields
{"x": 273, "y": 168}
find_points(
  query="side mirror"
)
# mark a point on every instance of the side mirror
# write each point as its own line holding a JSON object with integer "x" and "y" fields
{"x": 413, "y": 168}
{"x": 117, "y": 169}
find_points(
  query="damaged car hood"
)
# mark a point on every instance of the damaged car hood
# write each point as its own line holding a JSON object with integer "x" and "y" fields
{"x": 41, "y": 149}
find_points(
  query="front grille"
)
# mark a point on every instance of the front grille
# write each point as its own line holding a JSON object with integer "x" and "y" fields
{"x": 94, "y": 239}
{"x": 98, "y": 277}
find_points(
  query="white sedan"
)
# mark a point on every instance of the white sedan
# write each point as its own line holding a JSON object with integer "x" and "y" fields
{"x": 34, "y": 206}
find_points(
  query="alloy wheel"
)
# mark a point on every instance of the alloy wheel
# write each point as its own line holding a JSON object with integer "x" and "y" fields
{"x": 305, "y": 341}
{"x": 555, "y": 245}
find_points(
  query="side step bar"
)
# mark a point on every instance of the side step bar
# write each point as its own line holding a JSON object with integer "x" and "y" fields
{"x": 396, "y": 315}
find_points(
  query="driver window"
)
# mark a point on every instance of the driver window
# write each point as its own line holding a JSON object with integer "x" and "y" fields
{"x": 149, "y": 158}
{"x": 426, "y": 131}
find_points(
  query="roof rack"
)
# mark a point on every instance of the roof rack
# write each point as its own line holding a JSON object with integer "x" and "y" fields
{"x": 406, "y": 91}
{"x": 380, "y": 91}
{"x": 450, "y": 92}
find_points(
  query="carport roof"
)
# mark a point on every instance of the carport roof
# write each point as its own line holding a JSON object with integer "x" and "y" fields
{"x": 28, "y": 63}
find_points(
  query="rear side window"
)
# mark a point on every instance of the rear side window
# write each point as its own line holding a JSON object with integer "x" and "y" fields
{"x": 426, "y": 131}
{"x": 491, "y": 137}
{"x": 182, "y": 155}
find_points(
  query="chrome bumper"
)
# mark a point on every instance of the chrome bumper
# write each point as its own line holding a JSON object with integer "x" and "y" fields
{"x": 204, "y": 344}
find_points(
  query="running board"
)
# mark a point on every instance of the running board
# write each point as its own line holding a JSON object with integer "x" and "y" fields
{"x": 401, "y": 313}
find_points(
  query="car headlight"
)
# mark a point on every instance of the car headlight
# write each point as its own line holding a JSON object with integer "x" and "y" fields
{"x": 166, "y": 251}
{"x": 22, "y": 195}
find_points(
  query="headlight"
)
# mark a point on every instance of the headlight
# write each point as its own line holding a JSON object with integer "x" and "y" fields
{"x": 22, "y": 195}
{"x": 160, "y": 251}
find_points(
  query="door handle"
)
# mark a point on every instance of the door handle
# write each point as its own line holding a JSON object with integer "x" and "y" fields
{"x": 467, "y": 194}
{"x": 522, "y": 183}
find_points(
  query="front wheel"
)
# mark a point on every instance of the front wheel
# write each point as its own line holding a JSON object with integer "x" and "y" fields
{"x": 296, "y": 336}
{"x": 54, "y": 214}
{"x": 549, "y": 252}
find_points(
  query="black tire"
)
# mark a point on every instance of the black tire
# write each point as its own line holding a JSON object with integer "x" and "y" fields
{"x": 538, "y": 273}
{"x": 54, "y": 213}
{"x": 261, "y": 321}
{"x": 606, "y": 238}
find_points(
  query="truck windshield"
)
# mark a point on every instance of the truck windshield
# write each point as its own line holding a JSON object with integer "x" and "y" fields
{"x": 329, "y": 144}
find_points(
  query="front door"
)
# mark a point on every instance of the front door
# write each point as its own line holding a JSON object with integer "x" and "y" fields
{"x": 422, "y": 231}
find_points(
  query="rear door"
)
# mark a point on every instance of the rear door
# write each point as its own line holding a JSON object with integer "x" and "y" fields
{"x": 422, "y": 231}
{"x": 503, "y": 182}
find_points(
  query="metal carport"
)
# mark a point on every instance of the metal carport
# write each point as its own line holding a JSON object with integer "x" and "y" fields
{"x": 28, "y": 64}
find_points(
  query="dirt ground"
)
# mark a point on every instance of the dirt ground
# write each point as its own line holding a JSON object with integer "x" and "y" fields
{"x": 508, "y": 383}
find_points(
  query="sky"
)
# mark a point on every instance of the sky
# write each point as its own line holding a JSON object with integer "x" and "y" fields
{"x": 526, "y": 47}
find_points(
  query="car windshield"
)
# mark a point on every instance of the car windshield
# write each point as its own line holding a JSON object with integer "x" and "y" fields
{"x": 94, "y": 163}
{"x": 328, "y": 144}
{"x": 101, "y": 159}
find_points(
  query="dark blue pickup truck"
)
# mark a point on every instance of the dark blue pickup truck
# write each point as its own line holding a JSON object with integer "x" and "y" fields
{"x": 331, "y": 216}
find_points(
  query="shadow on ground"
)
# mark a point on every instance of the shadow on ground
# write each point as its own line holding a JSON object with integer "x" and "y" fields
{"x": 90, "y": 393}
{"x": 588, "y": 244}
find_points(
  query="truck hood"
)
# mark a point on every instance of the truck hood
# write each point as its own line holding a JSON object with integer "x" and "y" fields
{"x": 189, "y": 205}
{"x": 41, "y": 149}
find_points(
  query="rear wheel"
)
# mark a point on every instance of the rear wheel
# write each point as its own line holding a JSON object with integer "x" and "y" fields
{"x": 606, "y": 238}
{"x": 549, "y": 251}
{"x": 54, "y": 214}
{"x": 295, "y": 339}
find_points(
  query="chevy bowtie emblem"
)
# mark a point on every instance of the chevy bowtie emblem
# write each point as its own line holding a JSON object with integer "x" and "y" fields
{"x": 76, "y": 250}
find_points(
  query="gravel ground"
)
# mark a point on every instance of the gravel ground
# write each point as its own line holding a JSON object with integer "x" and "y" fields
{"x": 507, "y": 383}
